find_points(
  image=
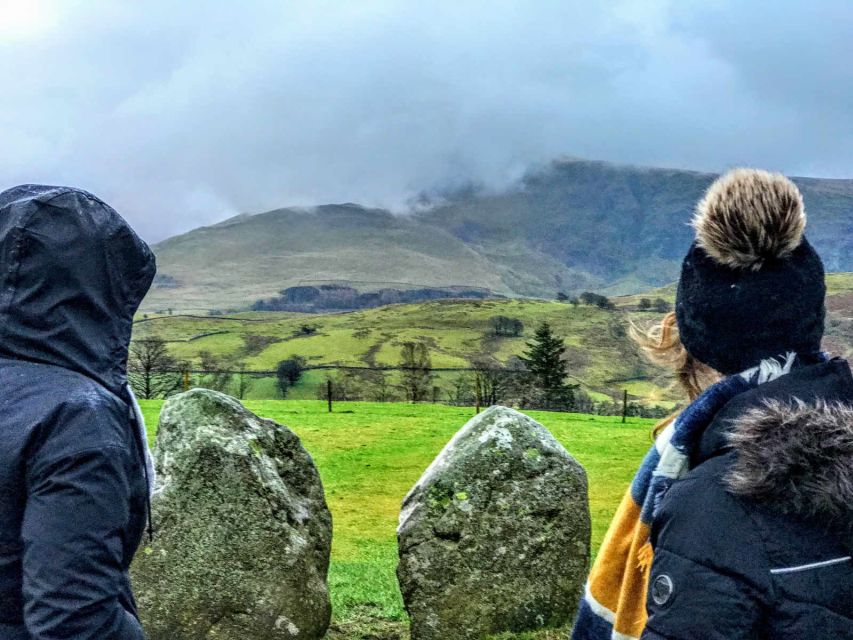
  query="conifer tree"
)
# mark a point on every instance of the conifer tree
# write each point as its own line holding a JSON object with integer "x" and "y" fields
{"x": 547, "y": 368}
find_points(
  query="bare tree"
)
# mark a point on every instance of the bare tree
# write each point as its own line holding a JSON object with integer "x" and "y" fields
{"x": 215, "y": 372}
{"x": 378, "y": 385}
{"x": 492, "y": 381}
{"x": 151, "y": 371}
{"x": 661, "y": 306}
{"x": 344, "y": 385}
{"x": 416, "y": 374}
{"x": 504, "y": 326}
{"x": 461, "y": 390}
{"x": 382, "y": 388}
{"x": 244, "y": 380}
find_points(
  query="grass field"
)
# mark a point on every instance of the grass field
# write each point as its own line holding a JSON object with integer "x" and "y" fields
{"x": 599, "y": 354}
{"x": 455, "y": 330}
{"x": 370, "y": 454}
{"x": 458, "y": 333}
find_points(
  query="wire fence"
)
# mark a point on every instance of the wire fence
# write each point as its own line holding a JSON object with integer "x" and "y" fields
{"x": 458, "y": 386}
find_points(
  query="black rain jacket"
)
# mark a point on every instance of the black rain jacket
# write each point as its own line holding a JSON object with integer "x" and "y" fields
{"x": 756, "y": 541}
{"x": 72, "y": 485}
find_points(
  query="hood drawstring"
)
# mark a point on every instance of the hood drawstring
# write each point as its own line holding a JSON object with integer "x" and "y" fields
{"x": 138, "y": 421}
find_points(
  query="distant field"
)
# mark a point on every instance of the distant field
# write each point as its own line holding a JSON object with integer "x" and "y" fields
{"x": 370, "y": 454}
{"x": 836, "y": 284}
{"x": 599, "y": 354}
{"x": 839, "y": 283}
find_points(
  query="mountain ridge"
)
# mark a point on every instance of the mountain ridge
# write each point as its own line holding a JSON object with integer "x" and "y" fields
{"x": 569, "y": 226}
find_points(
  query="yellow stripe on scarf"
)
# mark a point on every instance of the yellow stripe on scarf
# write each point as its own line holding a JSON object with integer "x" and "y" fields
{"x": 620, "y": 575}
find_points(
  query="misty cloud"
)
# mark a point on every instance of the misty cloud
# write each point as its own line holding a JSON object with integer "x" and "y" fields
{"x": 181, "y": 114}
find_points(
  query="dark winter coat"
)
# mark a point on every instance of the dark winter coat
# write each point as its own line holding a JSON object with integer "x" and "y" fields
{"x": 72, "y": 487}
{"x": 756, "y": 541}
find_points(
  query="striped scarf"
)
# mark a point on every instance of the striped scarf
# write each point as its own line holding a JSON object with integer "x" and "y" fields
{"x": 614, "y": 605}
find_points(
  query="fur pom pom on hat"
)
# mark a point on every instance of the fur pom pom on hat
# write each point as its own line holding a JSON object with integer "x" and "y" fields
{"x": 749, "y": 216}
{"x": 751, "y": 286}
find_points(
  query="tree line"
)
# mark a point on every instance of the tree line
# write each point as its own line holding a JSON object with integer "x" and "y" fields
{"x": 537, "y": 379}
{"x": 333, "y": 297}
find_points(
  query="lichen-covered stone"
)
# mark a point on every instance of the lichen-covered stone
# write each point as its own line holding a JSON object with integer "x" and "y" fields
{"x": 494, "y": 537}
{"x": 243, "y": 533}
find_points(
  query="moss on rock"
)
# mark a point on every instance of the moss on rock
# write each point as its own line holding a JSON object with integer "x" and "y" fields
{"x": 243, "y": 533}
{"x": 494, "y": 537}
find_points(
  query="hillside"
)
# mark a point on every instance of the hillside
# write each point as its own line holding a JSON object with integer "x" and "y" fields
{"x": 618, "y": 229}
{"x": 570, "y": 226}
{"x": 386, "y": 446}
{"x": 239, "y": 261}
{"x": 458, "y": 332}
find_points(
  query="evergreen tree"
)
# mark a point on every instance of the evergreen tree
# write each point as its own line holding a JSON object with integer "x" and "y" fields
{"x": 547, "y": 368}
{"x": 288, "y": 373}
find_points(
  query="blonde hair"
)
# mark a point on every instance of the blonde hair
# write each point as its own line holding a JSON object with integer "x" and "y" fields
{"x": 662, "y": 345}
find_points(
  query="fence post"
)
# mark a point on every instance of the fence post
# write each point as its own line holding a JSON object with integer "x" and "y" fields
{"x": 329, "y": 393}
{"x": 624, "y": 405}
{"x": 479, "y": 393}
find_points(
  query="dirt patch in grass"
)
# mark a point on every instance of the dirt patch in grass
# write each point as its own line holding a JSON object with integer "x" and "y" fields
{"x": 364, "y": 624}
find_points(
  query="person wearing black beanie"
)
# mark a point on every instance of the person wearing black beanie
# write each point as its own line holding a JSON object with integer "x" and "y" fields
{"x": 751, "y": 285}
{"x": 753, "y": 537}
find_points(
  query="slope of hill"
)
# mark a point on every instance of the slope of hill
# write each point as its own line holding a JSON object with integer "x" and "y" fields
{"x": 571, "y": 226}
{"x": 241, "y": 260}
{"x": 621, "y": 229}
{"x": 458, "y": 332}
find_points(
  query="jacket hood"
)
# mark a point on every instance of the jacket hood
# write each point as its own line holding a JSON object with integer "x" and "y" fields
{"x": 797, "y": 456}
{"x": 72, "y": 275}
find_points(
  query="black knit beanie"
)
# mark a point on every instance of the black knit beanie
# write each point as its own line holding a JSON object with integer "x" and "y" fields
{"x": 751, "y": 286}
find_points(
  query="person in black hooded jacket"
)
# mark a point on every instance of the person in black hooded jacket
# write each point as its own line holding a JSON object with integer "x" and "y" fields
{"x": 755, "y": 541}
{"x": 73, "y": 481}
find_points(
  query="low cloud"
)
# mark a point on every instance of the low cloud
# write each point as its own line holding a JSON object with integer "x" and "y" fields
{"x": 181, "y": 114}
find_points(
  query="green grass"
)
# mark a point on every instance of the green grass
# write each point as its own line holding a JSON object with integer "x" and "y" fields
{"x": 839, "y": 283}
{"x": 235, "y": 263}
{"x": 599, "y": 354}
{"x": 458, "y": 333}
{"x": 370, "y": 454}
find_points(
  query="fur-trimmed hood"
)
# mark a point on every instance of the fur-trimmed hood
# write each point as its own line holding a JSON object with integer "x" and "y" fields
{"x": 796, "y": 456}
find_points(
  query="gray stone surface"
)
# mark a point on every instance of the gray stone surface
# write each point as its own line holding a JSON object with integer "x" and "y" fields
{"x": 494, "y": 537}
{"x": 243, "y": 533}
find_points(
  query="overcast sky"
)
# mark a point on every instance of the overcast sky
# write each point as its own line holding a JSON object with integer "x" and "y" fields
{"x": 183, "y": 113}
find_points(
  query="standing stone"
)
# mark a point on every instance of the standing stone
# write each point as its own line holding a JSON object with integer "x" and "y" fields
{"x": 494, "y": 537}
{"x": 243, "y": 533}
